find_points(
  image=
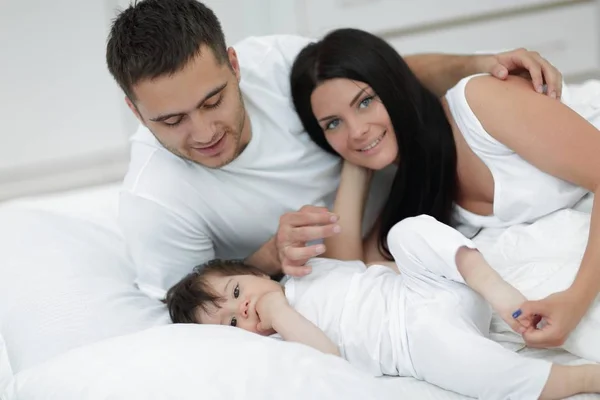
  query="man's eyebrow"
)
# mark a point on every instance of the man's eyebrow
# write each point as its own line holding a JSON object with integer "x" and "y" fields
{"x": 210, "y": 94}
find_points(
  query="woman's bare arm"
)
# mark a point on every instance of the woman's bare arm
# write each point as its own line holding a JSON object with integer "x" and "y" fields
{"x": 349, "y": 205}
{"x": 560, "y": 142}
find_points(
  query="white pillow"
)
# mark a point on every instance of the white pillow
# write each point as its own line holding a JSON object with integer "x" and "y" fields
{"x": 64, "y": 282}
{"x": 187, "y": 361}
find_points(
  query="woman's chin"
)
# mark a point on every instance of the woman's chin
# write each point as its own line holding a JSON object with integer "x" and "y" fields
{"x": 376, "y": 162}
{"x": 379, "y": 164}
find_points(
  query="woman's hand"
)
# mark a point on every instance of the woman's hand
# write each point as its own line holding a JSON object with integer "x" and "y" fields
{"x": 560, "y": 313}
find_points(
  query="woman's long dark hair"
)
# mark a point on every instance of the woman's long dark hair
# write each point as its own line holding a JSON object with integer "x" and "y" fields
{"x": 425, "y": 182}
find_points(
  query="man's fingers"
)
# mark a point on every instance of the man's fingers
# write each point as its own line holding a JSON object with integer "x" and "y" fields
{"x": 535, "y": 71}
{"x": 500, "y": 71}
{"x": 538, "y": 70}
{"x": 299, "y": 219}
{"x": 299, "y": 255}
{"x": 551, "y": 76}
{"x": 553, "y": 79}
{"x": 309, "y": 233}
{"x": 296, "y": 271}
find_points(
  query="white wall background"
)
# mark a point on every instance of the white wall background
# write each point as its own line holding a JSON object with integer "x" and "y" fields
{"x": 63, "y": 121}
{"x": 62, "y": 117}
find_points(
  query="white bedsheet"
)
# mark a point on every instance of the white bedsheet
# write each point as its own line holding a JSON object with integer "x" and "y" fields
{"x": 98, "y": 207}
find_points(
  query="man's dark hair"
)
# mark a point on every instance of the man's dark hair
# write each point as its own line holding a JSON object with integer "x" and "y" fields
{"x": 193, "y": 291}
{"x": 152, "y": 38}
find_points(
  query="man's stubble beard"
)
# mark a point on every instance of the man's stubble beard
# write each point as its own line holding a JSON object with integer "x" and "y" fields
{"x": 236, "y": 136}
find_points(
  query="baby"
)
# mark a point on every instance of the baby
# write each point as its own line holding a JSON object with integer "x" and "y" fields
{"x": 425, "y": 322}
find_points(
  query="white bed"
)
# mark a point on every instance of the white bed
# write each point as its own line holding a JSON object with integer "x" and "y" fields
{"x": 73, "y": 326}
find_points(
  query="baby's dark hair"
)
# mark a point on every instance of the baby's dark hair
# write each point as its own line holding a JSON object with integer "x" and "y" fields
{"x": 193, "y": 291}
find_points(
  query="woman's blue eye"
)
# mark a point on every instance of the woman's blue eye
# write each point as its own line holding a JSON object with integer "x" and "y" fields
{"x": 333, "y": 124}
{"x": 236, "y": 291}
{"x": 366, "y": 102}
{"x": 233, "y": 321}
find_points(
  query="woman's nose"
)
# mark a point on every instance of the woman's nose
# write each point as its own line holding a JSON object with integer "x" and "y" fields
{"x": 358, "y": 129}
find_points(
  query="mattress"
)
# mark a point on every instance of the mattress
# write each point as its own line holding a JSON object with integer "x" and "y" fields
{"x": 64, "y": 343}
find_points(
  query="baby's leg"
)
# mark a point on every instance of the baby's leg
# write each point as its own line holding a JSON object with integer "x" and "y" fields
{"x": 427, "y": 250}
{"x": 424, "y": 247}
{"x": 448, "y": 348}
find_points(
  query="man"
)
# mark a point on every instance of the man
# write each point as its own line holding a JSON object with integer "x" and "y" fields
{"x": 220, "y": 166}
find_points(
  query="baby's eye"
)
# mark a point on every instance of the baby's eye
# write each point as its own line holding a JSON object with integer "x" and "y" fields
{"x": 332, "y": 124}
{"x": 366, "y": 102}
{"x": 236, "y": 291}
{"x": 233, "y": 321}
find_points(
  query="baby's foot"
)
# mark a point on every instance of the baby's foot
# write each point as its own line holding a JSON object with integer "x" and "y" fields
{"x": 506, "y": 301}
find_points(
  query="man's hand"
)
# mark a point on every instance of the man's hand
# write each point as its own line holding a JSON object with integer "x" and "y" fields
{"x": 295, "y": 230}
{"x": 560, "y": 314}
{"x": 529, "y": 64}
{"x": 267, "y": 308}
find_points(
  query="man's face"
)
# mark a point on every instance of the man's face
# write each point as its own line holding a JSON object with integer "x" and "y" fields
{"x": 197, "y": 113}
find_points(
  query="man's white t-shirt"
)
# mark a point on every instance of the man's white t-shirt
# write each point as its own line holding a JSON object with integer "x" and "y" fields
{"x": 176, "y": 214}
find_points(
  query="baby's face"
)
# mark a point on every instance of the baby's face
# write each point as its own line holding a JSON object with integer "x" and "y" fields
{"x": 240, "y": 294}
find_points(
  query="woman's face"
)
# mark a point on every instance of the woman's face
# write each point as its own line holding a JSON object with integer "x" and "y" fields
{"x": 355, "y": 122}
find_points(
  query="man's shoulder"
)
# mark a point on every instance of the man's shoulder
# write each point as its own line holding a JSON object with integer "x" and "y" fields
{"x": 267, "y": 43}
{"x": 266, "y": 63}
{"x": 264, "y": 51}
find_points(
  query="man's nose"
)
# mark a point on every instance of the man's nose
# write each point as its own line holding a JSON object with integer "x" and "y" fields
{"x": 202, "y": 131}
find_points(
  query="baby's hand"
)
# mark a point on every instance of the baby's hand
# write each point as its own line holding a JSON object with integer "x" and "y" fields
{"x": 267, "y": 308}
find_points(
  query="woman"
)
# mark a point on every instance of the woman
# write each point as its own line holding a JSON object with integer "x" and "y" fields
{"x": 488, "y": 154}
